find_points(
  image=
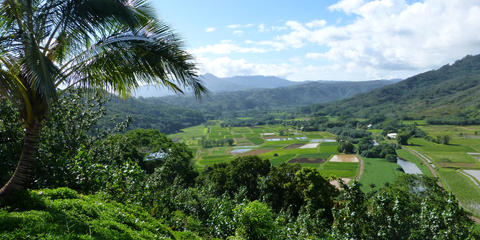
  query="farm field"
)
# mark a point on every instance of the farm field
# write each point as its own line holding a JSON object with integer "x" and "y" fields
{"x": 309, "y": 149}
{"x": 449, "y": 161}
{"x": 377, "y": 173}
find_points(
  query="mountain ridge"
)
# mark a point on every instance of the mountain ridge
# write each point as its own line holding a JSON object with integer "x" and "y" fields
{"x": 451, "y": 90}
{"x": 230, "y": 84}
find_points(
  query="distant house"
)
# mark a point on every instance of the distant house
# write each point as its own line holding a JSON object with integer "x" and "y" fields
{"x": 157, "y": 155}
{"x": 392, "y": 135}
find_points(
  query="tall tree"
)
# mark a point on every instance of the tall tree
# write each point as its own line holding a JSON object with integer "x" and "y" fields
{"x": 48, "y": 46}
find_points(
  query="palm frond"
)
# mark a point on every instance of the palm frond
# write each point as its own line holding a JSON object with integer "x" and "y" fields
{"x": 123, "y": 61}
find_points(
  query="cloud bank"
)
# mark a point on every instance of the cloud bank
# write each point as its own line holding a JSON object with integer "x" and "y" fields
{"x": 386, "y": 39}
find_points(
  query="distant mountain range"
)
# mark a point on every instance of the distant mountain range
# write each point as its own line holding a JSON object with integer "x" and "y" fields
{"x": 230, "y": 84}
{"x": 300, "y": 94}
{"x": 215, "y": 84}
{"x": 451, "y": 92}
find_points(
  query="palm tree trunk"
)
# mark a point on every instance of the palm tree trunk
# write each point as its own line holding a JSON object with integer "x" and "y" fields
{"x": 22, "y": 177}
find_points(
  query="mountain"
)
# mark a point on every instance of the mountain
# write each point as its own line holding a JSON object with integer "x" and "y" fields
{"x": 451, "y": 92}
{"x": 216, "y": 84}
{"x": 281, "y": 97}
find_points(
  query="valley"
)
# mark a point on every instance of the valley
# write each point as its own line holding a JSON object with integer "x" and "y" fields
{"x": 454, "y": 164}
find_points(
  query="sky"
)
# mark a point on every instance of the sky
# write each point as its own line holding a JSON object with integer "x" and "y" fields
{"x": 324, "y": 39}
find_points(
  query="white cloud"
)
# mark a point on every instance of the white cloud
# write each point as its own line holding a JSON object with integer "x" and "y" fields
{"x": 238, "y": 32}
{"x": 261, "y": 27}
{"x": 393, "y": 37}
{"x": 316, "y": 23}
{"x": 226, "y": 48}
{"x": 314, "y": 55}
{"x": 347, "y": 6}
{"x": 210, "y": 29}
{"x": 385, "y": 39}
{"x": 273, "y": 45}
{"x": 225, "y": 66}
{"x": 235, "y": 26}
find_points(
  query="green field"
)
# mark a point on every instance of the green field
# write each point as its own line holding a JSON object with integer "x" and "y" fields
{"x": 447, "y": 159}
{"x": 339, "y": 169}
{"x": 378, "y": 171}
{"x": 276, "y": 151}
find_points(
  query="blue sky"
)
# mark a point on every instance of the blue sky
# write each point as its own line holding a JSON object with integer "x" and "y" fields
{"x": 324, "y": 39}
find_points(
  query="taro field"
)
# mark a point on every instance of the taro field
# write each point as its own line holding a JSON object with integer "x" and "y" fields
{"x": 273, "y": 142}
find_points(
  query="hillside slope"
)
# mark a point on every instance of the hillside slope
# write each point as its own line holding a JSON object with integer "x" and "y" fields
{"x": 292, "y": 96}
{"x": 452, "y": 91}
{"x": 64, "y": 214}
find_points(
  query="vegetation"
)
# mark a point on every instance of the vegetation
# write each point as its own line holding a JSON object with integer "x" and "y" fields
{"x": 150, "y": 113}
{"x": 443, "y": 96}
{"x": 112, "y": 45}
{"x": 259, "y": 168}
{"x": 264, "y": 100}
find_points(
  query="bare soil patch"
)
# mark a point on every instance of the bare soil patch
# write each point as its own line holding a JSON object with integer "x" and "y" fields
{"x": 257, "y": 152}
{"x": 310, "y": 145}
{"x": 271, "y": 137}
{"x": 307, "y": 160}
{"x": 293, "y": 146}
{"x": 337, "y": 184}
{"x": 345, "y": 158}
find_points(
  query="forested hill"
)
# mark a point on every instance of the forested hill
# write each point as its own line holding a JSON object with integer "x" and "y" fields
{"x": 451, "y": 93}
{"x": 150, "y": 113}
{"x": 172, "y": 113}
{"x": 282, "y": 97}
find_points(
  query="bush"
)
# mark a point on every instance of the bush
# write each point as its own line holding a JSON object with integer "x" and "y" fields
{"x": 254, "y": 220}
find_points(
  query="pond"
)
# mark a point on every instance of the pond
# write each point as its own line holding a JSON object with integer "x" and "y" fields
{"x": 278, "y": 139}
{"x": 241, "y": 150}
{"x": 326, "y": 140}
{"x": 474, "y": 173}
{"x": 408, "y": 167}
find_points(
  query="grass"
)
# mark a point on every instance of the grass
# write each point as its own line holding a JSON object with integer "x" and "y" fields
{"x": 64, "y": 214}
{"x": 339, "y": 169}
{"x": 463, "y": 188}
{"x": 315, "y": 155}
{"x": 378, "y": 171}
{"x": 254, "y": 139}
{"x": 281, "y": 159}
{"x": 449, "y": 158}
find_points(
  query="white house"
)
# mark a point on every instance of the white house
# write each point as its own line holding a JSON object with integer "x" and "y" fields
{"x": 392, "y": 135}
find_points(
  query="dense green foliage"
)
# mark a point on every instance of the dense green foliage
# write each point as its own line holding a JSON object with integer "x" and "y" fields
{"x": 151, "y": 113}
{"x": 221, "y": 104}
{"x": 412, "y": 208}
{"x": 448, "y": 95}
{"x": 64, "y": 214}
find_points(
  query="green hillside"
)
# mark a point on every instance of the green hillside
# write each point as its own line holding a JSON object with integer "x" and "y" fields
{"x": 449, "y": 94}
{"x": 64, "y": 214}
{"x": 292, "y": 96}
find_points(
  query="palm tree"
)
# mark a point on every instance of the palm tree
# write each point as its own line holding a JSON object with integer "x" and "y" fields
{"x": 49, "y": 46}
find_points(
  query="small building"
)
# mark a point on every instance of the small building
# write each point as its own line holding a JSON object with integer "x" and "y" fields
{"x": 392, "y": 135}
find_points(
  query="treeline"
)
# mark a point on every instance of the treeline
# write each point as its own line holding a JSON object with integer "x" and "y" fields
{"x": 150, "y": 113}
{"x": 219, "y": 104}
{"x": 209, "y": 143}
